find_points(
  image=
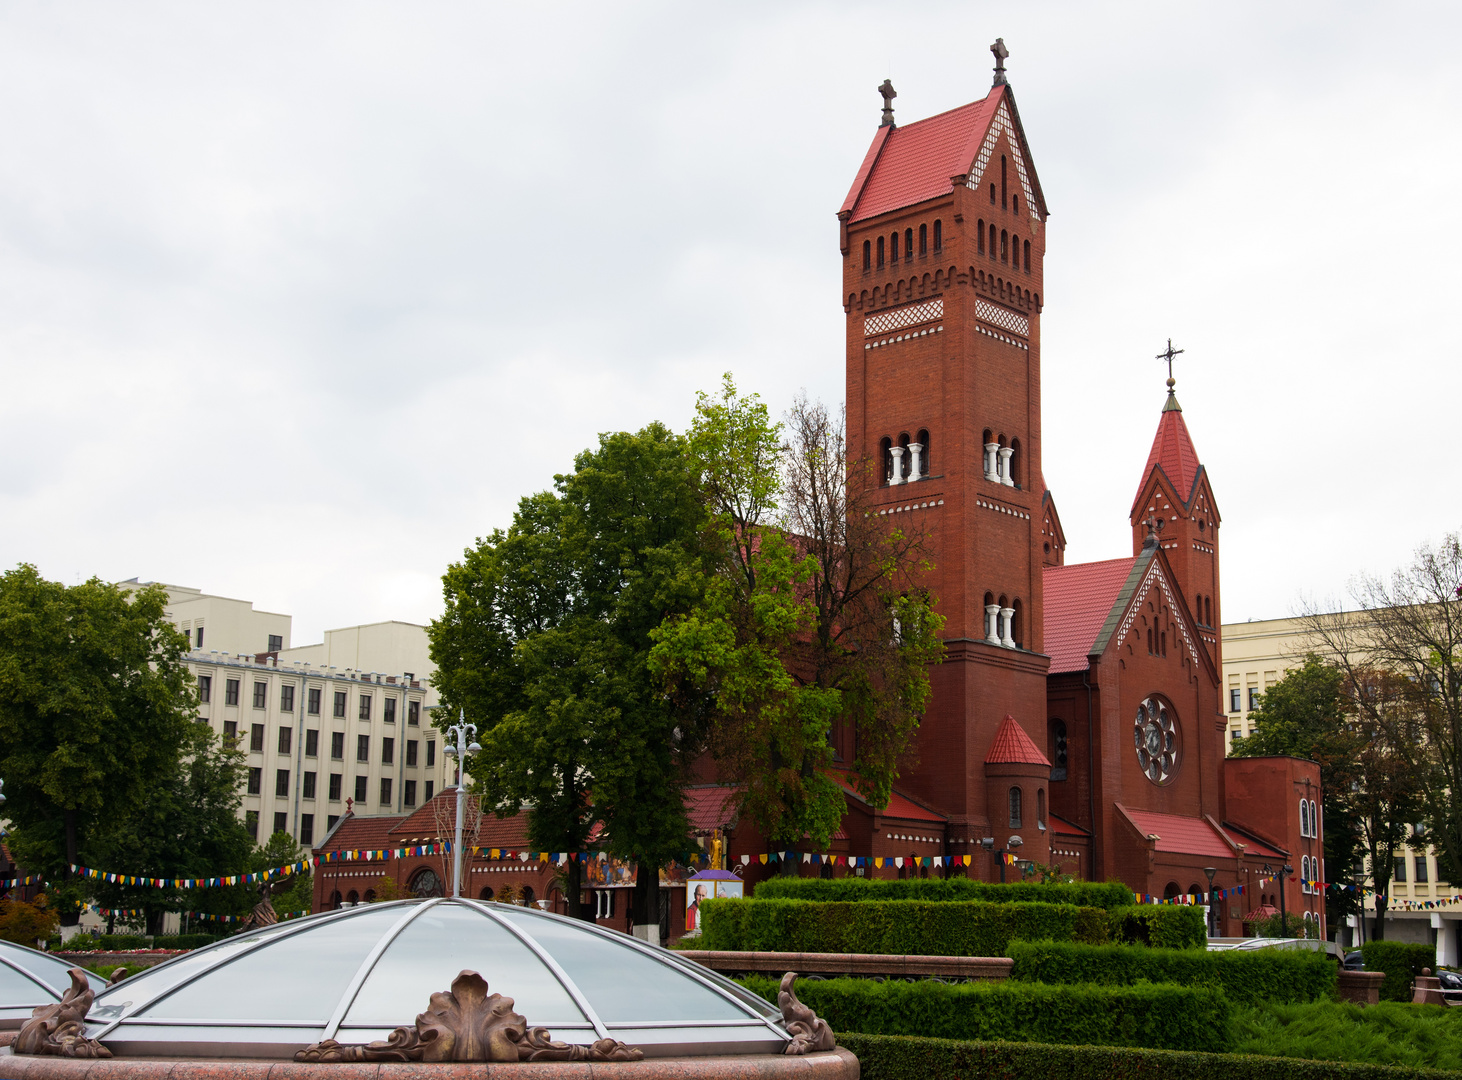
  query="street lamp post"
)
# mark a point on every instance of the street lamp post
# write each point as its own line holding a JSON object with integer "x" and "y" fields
{"x": 1212, "y": 911}
{"x": 988, "y": 843}
{"x": 1283, "y": 878}
{"x": 466, "y": 743}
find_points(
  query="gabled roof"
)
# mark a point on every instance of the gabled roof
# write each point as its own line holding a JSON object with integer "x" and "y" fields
{"x": 1012, "y": 746}
{"x": 1172, "y": 452}
{"x": 899, "y": 806}
{"x": 1078, "y": 600}
{"x": 710, "y": 807}
{"x": 352, "y": 833}
{"x": 910, "y": 164}
{"x": 1179, "y": 835}
{"x": 1253, "y": 845}
{"x": 1061, "y": 827}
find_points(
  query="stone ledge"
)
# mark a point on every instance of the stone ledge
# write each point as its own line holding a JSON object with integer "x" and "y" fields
{"x": 992, "y": 968}
{"x": 837, "y": 1064}
{"x": 1360, "y": 987}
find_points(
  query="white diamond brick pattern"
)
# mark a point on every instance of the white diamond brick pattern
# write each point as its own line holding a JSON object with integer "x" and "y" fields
{"x": 998, "y": 126}
{"x": 1003, "y": 318}
{"x": 897, "y": 319}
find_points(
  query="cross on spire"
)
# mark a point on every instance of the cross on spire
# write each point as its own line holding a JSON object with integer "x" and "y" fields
{"x": 889, "y": 93}
{"x": 1170, "y": 354}
{"x": 1001, "y": 52}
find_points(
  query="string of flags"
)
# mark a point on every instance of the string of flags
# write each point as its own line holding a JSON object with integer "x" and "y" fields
{"x": 191, "y": 883}
{"x": 28, "y": 879}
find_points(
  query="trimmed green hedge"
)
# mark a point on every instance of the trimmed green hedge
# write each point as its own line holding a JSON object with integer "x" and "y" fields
{"x": 891, "y": 927}
{"x": 1109, "y": 895}
{"x": 183, "y": 941}
{"x": 887, "y": 1057}
{"x": 1285, "y": 975}
{"x": 1402, "y": 962}
{"x": 1149, "y": 1015}
{"x": 1163, "y": 926}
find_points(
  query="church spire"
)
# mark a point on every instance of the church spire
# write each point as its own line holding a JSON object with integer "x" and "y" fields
{"x": 1170, "y": 354}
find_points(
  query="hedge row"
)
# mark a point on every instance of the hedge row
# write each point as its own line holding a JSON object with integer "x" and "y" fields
{"x": 1110, "y": 894}
{"x": 1151, "y": 1015}
{"x": 125, "y": 942}
{"x": 935, "y": 928}
{"x": 887, "y": 1057}
{"x": 1402, "y": 962}
{"x": 1262, "y": 975}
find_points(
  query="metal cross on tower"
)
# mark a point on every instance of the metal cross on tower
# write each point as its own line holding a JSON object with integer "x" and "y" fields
{"x": 1001, "y": 53}
{"x": 889, "y": 93}
{"x": 1170, "y": 354}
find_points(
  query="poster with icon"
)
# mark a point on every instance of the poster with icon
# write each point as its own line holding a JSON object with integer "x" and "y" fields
{"x": 708, "y": 885}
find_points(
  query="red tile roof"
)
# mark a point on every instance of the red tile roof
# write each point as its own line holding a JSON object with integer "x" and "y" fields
{"x": 906, "y": 165}
{"x": 1181, "y": 835}
{"x": 508, "y": 832}
{"x": 711, "y": 807}
{"x": 354, "y": 833}
{"x": 899, "y": 806}
{"x": 1078, "y": 599}
{"x": 1172, "y": 449}
{"x": 1062, "y": 827}
{"x": 1252, "y": 844}
{"x": 1013, "y": 746}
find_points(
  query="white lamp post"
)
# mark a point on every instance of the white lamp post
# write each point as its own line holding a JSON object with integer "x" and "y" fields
{"x": 463, "y": 732}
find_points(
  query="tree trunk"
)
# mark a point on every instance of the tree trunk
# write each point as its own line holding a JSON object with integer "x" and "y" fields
{"x": 647, "y": 896}
{"x": 1379, "y": 933}
{"x": 575, "y": 888}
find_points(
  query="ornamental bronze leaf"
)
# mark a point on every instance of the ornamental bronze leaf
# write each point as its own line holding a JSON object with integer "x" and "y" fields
{"x": 60, "y": 1029}
{"x": 809, "y": 1034}
{"x": 467, "y": 1023}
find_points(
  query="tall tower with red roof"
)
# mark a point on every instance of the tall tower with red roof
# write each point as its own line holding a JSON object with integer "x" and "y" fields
{"x": 943, "y": 237}
{"x": 1175, "y": 502}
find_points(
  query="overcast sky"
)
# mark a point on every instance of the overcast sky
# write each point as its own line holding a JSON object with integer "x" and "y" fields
{"x": 296, "y": 300}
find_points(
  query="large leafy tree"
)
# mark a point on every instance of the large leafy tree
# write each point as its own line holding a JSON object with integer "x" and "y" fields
{"x": 96, "y": 710}
{"x": 544, "y": 645}
{"x": 813, "y": 617}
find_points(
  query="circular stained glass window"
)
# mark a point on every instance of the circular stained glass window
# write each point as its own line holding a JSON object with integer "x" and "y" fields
{"x": 1157, "y": 740}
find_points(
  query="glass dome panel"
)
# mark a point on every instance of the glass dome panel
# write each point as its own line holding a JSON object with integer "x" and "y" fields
{"x": 50, "y": 970}
{"x": 441, "y": 942}
{"x": 288, "y": 978}
{"x": 19, "y": 989}
{"x": 621, "y": 983}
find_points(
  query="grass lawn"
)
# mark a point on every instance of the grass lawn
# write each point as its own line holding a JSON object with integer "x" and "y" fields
{"x": 1386, "y": 1034}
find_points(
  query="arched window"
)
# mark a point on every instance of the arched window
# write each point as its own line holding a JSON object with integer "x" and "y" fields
{"x": 1017, "y": 623}
{"x": 880, "y": 252}
{"x": 1027, "y": 256}
{"x": 1058, "y": 749}
{"x": 1015, "y": 808}
{"x": 893, "y": 248}
{"x": 335, "y": 900}
{"x": 1040, "y": 808}
{"x": 1015, "y": 256}
{"x": 826, "y": 870}
{"x": 1015, "y": 462}
{"x": 992, "y": 240}
{"x": 1015, "y": 203}
{"x": 938, "y": 235}
{"x": 1149, "y": 641}
{"x": 486, "y": 893}
{"x": 926, "y": 462}
{"x": 1208, "y": 610}
{"x": 908, "y": 245}
{"x": 1164, "y": 643}
{"x": 992, "y": 194}
{"x": 370, "y": 896}
{"x": 1004, "y": 247}
{"x": 1003, "y": 171}
{"x": 1314, "y": 820}
{"x": 867, "y": 255}
{"x": 980, "y": 232}
{"x": 886, "y": 457}
{"x": 1171, "y": 891}
{"x": 352, "y": 898}
{"x": 528, "y": 896}
{"x": 426, "y": 883}
{"x": 923, "y": 239}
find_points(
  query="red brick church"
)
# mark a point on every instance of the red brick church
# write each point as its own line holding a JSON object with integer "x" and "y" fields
{"x": 1078, "y": 707}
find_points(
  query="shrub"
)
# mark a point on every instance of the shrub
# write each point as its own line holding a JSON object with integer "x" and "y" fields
{"x": 1282, "y": 975}
{"x": 1163, "y": 926}
{"x": 888, "y": 1057}
{"x": 1386, "y": 1034}
{"x": 1402, "y": 963}
{"x": 891, "y": 927}
{"x": 1150, "y": 1015}
{"x": 122, "y": 942}
{"x": 183, "y": 941}
{"x": 25, "y": 923}
{"x": 1111, "y": 894}
{"x": 1290, "y": 925}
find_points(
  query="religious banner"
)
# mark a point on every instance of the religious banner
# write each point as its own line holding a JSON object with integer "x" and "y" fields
{"x": 708, "y": 885}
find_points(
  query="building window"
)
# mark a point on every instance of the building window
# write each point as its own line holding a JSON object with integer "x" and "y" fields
{"x": 309, "y": 782}
{"x": 285, "y": 739}
{"x": 334, "y": 789}
{"x": 1254, "y": 696}
{"x": 276, "y": 642}
{"x": 360, "y": 789}
{"x": 1398, "y": 873}
{"x": 251, "y": 822}
{"x": 938, "y": 235}
{"x": 1040, "y": 808}
{"x": 1235, "y": 699}
{"x": 893, "y": 248}
{"x": 230, "y": 732}
{"x": 256, "y": 781}
{"x": 281, "y": 821}
{"x": 307, "y": 829}
{"x": 281, "y": 783}
{"x": 199, "y": 633}
{"x": 1314, "y": 819}
{"x": 880, "y": 253}
{"x": 261, "y": 695}
{"x": 312, "y": 705}
{"x": 413, "y": 713}
{"x": 388, "y": 751}
{"x": 1027, "y": 253}
{"x": 1058, "y": 750}
{"x": 1015, "y": 808}
{"x": 340, "y": 703}
{"x": 286, "y": 699}
{"x": 426, "y": 789}
{"x": 365, "y": 706}
{"x": 867, "y": 255}
{"x": 1004, "y": 246}
{"x": 231, "y": 692}
{"x": 362, "y": 748}
{"x": 1420, "y": 864}
{"x": 205, "y": 688}
{"x": 411, "y": 752}
{"x": 312, "y": 744}
{"x": 256, "y": 738}
{"x": 431, "y": 753}
{"x": 337, "y": 745}
{"x": 408, "y": 793}
{"x": 330, "y": 824}
{"x": 385, "y": 791}
{"x": 389, "y": 710}
{"x": 923, "y": 244}
{"x": 1304, "y": 817}
{"x": 980, "y": 235}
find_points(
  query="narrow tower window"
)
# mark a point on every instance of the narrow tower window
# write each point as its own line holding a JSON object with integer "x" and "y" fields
{"x": 980, "y": 232}
{"x": 992, "y": 240}
{"x": 908, "y": 245}
{"x": 992, "y": 194}
{"x": 1015, "y": 808}
{"x": 938, "y": 235}
{"x": 1015, "y": 203}
{"x": 1004, "y": 246}
{"x": 923, "y": 239}
{"x": 1003, "y": 203}
{"x": 1027, "y": 256}
{"x": 893, "y": 248}
{"x": 924, "y": 442}
{"x": 886, "y": 456}
{"x": 880, "y": 252}
{"x": 867, "y": 255}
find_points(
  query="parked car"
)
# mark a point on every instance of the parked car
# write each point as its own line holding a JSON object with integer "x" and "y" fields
{"x": 1354, "y": 961}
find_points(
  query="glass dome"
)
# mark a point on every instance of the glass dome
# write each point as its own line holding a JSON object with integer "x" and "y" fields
{"x": 355, "y": 975}
{"x": 30, "y": 979}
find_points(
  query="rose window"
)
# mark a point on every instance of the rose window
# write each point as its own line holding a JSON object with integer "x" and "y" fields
{"x": 1156, "y": 736}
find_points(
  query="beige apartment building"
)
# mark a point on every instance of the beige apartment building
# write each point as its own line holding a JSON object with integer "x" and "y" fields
{"x": 1256, "y": 655}
{"x": 345, "y": 722}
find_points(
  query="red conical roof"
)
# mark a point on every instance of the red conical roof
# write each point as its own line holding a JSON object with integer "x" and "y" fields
{"x": 1172, "y": 448}
{"x": 1013, "y": 746}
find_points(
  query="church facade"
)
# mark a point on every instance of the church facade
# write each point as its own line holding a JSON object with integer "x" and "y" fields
{"x": 1077, "y": 719}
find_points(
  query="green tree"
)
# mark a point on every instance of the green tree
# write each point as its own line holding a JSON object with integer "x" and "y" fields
{"x": 295, "y": 893}
{"x": 814, "y": 617}
{"x": 95, "y": 711}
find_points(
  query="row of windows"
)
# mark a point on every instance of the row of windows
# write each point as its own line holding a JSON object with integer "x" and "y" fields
{"x": 312, "y": 707}
{"x": 1012, "y": 250}
{"x": 1203, "y": 610}
{"x": 1398, "y": 872}
{"x": 1015, "y": 799}
{"x": 1310, "y": 871}
{"x": 337, "y": 744}
{"x": 907, "y": 460}
{"x": 1004, "y": 621}
{"x": 334, "y": 787}
{"x": 1002, "y": 459}
{"x": 1309, "y": 819}
{"x": 889, "y": 253}
{"x": 1157, "y": 642}
{"x": 1236, "y": 698}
